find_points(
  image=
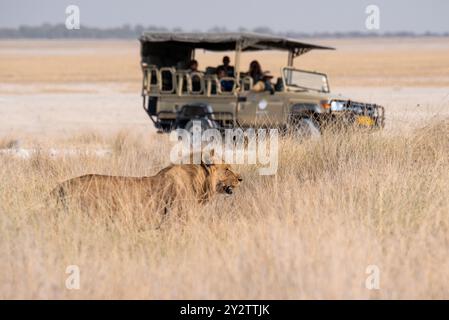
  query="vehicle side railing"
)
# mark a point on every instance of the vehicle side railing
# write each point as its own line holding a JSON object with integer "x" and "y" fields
{"x": 246, "y": 84}
{"x": 151, "y": 79}
{"x": 212, "y": 84}
{"x": 222, "y": 91}
{"x": 196, "y": 84}
{"x": 168, "y": 80}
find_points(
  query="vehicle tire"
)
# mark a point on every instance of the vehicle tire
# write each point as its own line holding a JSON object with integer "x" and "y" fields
{"x": 204, "y": 122}
{"x": 305, "y": 128}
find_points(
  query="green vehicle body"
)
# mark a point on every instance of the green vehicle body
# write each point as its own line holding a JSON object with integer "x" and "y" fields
{"x": 301, "y": 98}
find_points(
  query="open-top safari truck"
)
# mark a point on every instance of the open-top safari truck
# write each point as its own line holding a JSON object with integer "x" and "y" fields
{"x": 174, "y": 96}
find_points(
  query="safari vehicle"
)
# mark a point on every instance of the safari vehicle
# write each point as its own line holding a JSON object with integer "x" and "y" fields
{"x": 301, "y": 100}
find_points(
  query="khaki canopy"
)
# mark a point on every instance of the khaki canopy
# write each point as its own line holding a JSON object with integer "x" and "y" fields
{"x": 228, "y": 41}
{"x": 171, "y": 49}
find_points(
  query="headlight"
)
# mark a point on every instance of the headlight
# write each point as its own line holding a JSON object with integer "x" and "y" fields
{"x": 337, "y": 105}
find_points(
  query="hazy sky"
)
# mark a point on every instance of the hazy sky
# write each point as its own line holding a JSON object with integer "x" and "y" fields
{"x": 280, "y": 15}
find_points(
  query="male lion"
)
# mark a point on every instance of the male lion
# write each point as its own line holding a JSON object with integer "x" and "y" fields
{"x": 170, "y": 187}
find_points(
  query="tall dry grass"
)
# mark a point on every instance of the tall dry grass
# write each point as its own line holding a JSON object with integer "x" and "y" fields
{"x": 336, "y": 206}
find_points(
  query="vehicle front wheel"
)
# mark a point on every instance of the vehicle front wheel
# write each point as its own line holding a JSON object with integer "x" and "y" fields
{"x": 304, "y": 128}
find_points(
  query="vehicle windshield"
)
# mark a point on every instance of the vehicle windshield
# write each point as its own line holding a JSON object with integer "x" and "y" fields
{"x": 305, "y": 80}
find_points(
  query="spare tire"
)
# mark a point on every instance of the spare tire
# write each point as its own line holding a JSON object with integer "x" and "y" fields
{"x": 205, "y": 124}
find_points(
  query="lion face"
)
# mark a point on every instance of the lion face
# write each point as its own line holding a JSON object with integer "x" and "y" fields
{"x": 227, "y": 179}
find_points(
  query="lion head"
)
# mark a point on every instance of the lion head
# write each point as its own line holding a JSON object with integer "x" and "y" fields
{"x": 225, "y": 178}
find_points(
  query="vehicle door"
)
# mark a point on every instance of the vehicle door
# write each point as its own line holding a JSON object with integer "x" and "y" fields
{"x": 260, "y": 109}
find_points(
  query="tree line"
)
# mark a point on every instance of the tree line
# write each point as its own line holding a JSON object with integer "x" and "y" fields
{"x": 59, "y": 31}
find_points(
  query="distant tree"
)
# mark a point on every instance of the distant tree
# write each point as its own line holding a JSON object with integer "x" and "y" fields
{"x": 59, "y": 31}
{"x": 217, "y": 29}
{"x": 264, "y": 30}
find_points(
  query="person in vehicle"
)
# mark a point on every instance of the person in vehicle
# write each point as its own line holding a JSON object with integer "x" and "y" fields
{"x": 226, "y": 85}
{"x": 261, "y": 79}
{"x": 228, "y": 69}
{"x": 193, "y": 66}
{"x": 196, "y": 81}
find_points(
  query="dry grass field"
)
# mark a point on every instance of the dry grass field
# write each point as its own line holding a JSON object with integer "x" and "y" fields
{"x": 337, "y": 205}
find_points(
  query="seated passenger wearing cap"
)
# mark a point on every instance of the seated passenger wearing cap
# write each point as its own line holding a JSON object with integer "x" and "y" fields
{"x": 228, "y": 69}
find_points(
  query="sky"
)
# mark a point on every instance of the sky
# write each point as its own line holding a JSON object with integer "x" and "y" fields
{"x": 310, "y": 16}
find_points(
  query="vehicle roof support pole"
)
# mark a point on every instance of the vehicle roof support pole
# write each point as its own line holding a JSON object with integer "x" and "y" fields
{"x": 238, "y": 51}
{"x": 290, "y": 58}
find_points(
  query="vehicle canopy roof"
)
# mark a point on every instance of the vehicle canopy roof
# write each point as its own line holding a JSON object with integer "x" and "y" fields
{"x": 227, "y": 41}
{"x": 165, "y": 48}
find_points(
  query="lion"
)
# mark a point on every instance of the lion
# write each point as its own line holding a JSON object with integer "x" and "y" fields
{"x": 169, "y": 188}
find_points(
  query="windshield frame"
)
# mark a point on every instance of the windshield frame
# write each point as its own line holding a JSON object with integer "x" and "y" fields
{"x": 303, "y": 88}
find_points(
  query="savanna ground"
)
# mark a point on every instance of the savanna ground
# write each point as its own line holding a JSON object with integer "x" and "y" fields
{"x": 336, "y": 205}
